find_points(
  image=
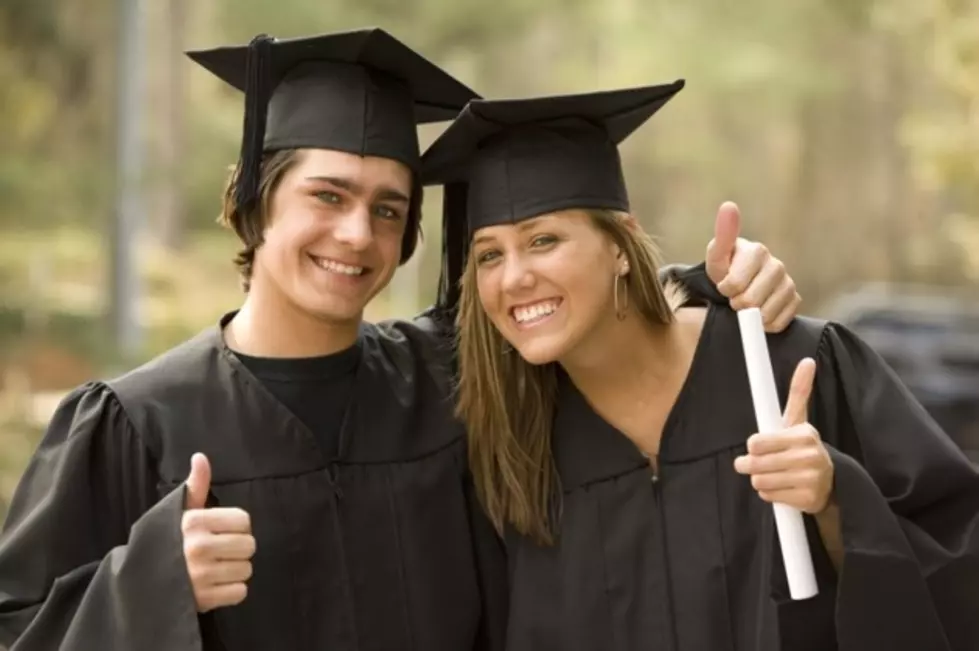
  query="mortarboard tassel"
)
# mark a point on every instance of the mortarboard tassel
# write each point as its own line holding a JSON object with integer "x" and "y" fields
{"x": 455, "y": 246}
{"x": 257, "y": 92}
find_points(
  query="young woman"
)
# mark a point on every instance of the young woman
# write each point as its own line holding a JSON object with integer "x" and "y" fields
{"x": 612, "y": 432}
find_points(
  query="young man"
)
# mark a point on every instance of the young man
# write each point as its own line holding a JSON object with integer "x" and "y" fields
{"x": 331, "y": 507}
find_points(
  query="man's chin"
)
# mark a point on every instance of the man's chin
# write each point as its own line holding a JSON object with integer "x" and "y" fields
{"x": 340, "y": 307}
{"x": 332, "y": 309}
{"x": 337, "y": 315}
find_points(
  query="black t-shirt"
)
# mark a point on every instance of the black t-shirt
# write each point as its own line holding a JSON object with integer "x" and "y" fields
{"x": 315, "y": 389}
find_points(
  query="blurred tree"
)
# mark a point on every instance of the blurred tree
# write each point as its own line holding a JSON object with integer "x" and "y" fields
{"x": 169, "y": 121}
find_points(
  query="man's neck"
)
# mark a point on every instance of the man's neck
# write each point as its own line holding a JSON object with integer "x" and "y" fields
{"x": 264, "y": 328}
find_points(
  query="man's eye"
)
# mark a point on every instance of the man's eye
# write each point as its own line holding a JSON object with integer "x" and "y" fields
{"x": 386, "y": 212}
{"x": 329, "y": 197}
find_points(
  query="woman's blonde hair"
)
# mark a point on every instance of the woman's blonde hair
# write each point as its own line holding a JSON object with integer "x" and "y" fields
{"x": 508, "y": 404}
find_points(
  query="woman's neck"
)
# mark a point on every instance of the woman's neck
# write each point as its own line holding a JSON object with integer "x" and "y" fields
{"x": 627, "y": 354}
{"x": 268, "y": 325}
{"x": 636, "y": 369}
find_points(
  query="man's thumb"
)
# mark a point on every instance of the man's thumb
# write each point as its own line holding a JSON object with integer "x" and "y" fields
{"x": 727, "y": 227}
{"x": 198, "y": 482}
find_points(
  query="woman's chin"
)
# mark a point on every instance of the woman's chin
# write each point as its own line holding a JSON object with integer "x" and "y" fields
{"x": 540, "y": 351}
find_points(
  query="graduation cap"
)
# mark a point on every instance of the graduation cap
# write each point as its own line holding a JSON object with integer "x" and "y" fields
{"x": 363, "y": 92}
{"x": 504, "y": 161}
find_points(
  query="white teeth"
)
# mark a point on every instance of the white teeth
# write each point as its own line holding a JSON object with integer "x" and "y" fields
{"x": 338, "y": 267}
{"x": 536, "y": 311}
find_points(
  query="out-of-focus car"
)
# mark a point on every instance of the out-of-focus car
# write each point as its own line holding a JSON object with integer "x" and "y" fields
{"x": 930, "y": 337}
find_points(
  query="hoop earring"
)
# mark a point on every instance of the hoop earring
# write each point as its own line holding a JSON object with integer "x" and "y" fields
{"x": 620, "y": 311}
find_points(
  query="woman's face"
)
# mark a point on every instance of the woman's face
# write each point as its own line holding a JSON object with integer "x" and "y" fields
{"x": 547, "y": 283}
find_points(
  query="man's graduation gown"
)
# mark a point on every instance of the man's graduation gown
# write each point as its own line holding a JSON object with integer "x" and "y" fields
{"x": 380, "y": 548}
{"x": 687, "y": 558}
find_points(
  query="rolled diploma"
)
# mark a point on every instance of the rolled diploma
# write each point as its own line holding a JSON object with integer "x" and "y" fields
{"x": 791, "y": 529}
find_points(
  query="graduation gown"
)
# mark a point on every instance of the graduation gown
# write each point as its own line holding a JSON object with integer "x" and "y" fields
{"x": 686, "y": 558}
{"x": 380, "y": 548}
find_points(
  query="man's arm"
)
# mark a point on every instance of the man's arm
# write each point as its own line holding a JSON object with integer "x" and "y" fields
{"x": 88, "y": 560}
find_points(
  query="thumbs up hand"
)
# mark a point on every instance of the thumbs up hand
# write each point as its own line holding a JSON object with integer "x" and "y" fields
{"x": 747, "y": 273}
{"x": 198, "y": 482}
{"x": 721, "y": 249}
{"x": 218, "y": 543}
{"x": 793, "y": 466}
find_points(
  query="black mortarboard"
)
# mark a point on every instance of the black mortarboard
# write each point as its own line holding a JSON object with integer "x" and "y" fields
{"x": 362, "y": 92}
{"x": 503, "y": 161}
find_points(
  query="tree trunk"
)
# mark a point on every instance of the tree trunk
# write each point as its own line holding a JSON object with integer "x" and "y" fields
{"x": 170, "y": 207}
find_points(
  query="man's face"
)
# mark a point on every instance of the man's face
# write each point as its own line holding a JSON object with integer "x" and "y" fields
{"x": 333, "y": 233}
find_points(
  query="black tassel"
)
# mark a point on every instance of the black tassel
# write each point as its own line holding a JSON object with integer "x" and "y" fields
{"x": 455, "y": 247}
{"x": 257, "y": 90}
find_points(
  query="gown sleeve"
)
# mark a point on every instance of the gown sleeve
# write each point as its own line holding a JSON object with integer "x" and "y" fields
{"x": 89, "y": 559}
{"x": 700, "y": 289}
{"x": 909, "y": 508}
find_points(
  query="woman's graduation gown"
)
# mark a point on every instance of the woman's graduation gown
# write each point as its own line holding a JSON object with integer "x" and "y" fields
{"x": 687, "y": 559}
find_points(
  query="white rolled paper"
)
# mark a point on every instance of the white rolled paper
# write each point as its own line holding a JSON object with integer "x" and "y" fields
{"x": 791, "y": 528}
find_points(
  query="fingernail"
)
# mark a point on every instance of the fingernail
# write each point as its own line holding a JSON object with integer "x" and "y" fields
{"x": 739, "y": 464}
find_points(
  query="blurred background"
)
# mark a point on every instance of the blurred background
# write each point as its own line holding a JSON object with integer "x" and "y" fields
{"x": 847, "y": 130}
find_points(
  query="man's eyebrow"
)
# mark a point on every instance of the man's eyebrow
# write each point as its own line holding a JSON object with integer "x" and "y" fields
{"x": 384, "y": 194}
{"x": 390, "y": 194}
{"x": 346, "y": 184}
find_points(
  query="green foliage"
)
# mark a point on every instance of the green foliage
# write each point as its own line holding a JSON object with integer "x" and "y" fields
{"x": 203, "y": 175}
{"x": 31, "y": 25}
{"x": 945, "y": 132}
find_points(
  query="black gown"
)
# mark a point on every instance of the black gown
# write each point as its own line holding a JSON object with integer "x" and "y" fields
{"x": 687, "y": 559}
{"x": 380, "y": 546}
{"x": 369, "y": 535}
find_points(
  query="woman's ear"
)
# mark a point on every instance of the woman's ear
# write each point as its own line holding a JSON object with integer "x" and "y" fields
{"x": 623, "y": 265}
{"x": 618, "y": 254}
{"x": 621, "y": 261}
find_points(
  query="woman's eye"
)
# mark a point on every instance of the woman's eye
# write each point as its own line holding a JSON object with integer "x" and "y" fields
{"x": 486, "y": 256}
{"x": 543, "y": 240}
